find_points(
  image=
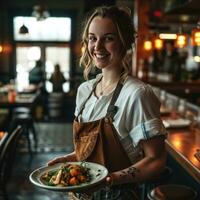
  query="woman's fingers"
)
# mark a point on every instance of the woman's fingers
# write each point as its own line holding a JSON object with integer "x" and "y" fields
{"x": 56, "y": 160}
{"x": 109, "y": 180}
{"x": 52, "y": 162}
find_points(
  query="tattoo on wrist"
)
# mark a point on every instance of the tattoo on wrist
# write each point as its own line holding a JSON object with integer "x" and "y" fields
{"x": 133, "y": 171}
{"x": 130, "y": 171}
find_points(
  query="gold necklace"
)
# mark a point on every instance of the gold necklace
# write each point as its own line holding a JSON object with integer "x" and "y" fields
{"x": 106, "y": 87}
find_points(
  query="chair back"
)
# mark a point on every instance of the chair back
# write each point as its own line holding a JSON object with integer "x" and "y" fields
{"x": 7, "y": 155}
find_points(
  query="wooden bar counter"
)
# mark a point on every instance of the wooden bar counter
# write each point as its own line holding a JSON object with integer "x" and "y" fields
{"x": 182, "y": 144}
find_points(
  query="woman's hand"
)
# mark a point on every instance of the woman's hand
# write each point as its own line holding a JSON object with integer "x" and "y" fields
{"x": 109, "y": 180}
{"x": 115, "y": 178}
{"x": 61, "y": 159}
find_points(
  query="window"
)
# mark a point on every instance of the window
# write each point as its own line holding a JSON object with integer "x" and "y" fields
{"x": 50, "y": 29}
{"x": 48, "y": 40}
{"x": 26, "y": 57}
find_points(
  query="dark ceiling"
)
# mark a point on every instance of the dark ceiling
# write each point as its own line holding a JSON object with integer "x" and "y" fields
{"x": 90, "y": 4}
{"x": 174, "y": 14}
{"x": 186, "y": 7}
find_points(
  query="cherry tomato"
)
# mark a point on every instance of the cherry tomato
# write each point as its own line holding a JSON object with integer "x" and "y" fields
{"x": 73, "y": 181}
{"x": 74, "y": 172}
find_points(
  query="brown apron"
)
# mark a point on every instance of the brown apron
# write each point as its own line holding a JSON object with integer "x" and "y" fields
{"x": 98, "y": 141}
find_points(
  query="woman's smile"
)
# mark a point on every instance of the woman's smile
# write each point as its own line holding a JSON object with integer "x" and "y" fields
{"x": 101, "y": 57}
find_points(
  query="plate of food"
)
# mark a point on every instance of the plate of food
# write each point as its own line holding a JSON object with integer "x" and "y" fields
{"x": 70, "y": 176}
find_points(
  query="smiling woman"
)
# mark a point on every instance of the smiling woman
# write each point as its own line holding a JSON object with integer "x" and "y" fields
{"x": 114, "y": 124}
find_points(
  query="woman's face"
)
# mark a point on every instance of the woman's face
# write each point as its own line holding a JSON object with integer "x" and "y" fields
{"x": 104, "y": 45}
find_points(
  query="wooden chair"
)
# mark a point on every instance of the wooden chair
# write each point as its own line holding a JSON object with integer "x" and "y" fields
{"x": 7, "y": 156}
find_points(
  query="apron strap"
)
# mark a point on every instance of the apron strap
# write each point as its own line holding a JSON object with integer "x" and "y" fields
{"x": 93, "y": 88}
{"x": 112, "y": 109}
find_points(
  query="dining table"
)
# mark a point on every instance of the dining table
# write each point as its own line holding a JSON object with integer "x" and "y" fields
{"x": 21, "y": 100}
{"x": 11, "y": 96}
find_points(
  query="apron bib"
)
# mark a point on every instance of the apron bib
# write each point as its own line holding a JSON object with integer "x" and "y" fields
{"x": 98, "y": 142}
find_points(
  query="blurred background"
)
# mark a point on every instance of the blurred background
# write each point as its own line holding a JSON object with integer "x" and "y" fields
{"x": 40, "y": 47}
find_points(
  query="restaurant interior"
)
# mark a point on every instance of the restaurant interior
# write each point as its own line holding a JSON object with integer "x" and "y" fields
{"x": 36, "y": 117}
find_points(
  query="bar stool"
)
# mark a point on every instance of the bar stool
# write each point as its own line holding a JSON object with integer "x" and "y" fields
{"x": 172, "y": 192}
{"x": 159, "y": 179}
{"x": 26, "y": 121}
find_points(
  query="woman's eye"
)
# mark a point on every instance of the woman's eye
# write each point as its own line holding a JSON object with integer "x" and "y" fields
{"x": 109, "y": 39}
{"x": 92, "y": 38}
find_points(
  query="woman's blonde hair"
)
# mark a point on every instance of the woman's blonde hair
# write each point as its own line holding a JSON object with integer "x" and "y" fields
{"x": 122, "y": 20}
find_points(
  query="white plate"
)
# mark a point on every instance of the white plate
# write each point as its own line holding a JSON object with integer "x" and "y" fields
{"x": 98, "y": 174}
{"x": 176, "y": 123}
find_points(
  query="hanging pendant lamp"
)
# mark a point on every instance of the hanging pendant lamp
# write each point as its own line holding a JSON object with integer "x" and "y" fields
{"x": 196, "y": 35}
{"x": 147, "y": 45}
{"x": 181, "y": 40}
{"x": 23, "y": 30}
{"x": 158, "y": 43}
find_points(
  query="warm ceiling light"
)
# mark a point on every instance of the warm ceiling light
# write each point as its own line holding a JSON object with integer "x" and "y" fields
{"x": 196, "y": 37}
{"x": 5, "y": 48}
{"x": 168, "y": 36}
{"x": 158, "y": 43}
{"x": 147, "y": 45}
{"x": 23, "y": 29}
{"x": 181, "y": 40}
{"x": 1, "y": 48}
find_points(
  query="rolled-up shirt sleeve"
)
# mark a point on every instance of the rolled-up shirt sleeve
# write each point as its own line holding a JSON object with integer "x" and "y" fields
{"x": 144, "y": 116}
{"x": 147, "y": 130}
